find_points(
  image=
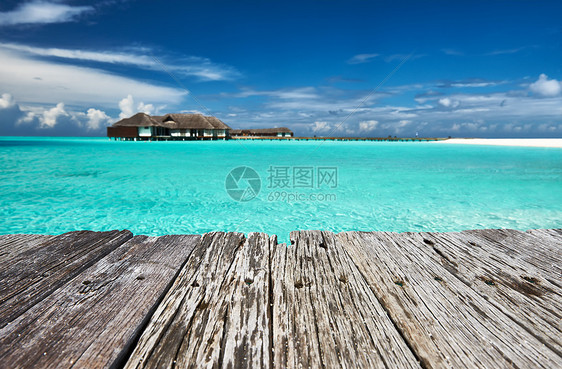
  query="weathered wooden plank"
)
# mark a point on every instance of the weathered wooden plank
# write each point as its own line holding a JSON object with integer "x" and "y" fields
{"x": 216, "y": 313}
{"x": 512, "y": 285}
{"x": 246, "y": 341}
{"x": 32, "y": 275}
{"x": 488, "y": 298}
{"x": 325, "y": 314}
{"x": 94, "y": 319}
{"x": 548, "y": 235}
{"x": 13, "y": 244}
{"x": 447, "y": 323}
{"x": 545, "y": 256}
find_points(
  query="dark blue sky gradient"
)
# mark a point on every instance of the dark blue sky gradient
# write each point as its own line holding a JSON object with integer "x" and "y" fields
{"x": 473, "y": 70}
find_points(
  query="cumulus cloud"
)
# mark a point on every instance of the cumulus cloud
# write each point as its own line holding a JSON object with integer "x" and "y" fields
{"x": 127, "y": 106}
{"x": 42, "y": 12}
{"x": 49, "y": 117}
{"x": 7, "y": 101}
{"x": 490, "y": 114}
{"x": 96, "y": 119}
{"x": 145, "y": 108}
{"x": 10, "y": 113}
{"x": 19, "y": 120}
{"x": 368, "y": 125}
{"x": 362, "y": 58}
{"x": 28, "y": 118}
{"x": 321, "y": 127}
{"x": 546, "y": 87}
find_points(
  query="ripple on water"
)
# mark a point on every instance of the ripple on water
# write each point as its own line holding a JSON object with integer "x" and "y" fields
{"x": 61, "y": 185}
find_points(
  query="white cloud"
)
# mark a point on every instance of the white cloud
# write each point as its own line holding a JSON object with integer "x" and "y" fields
{"x": 42, "y": 12}
{"x": 96, "y": 119}
{"x": 546, "y": 87}
{"x": 471, "y": 114}
{"x": 199, "y": 67}
{"x": 29, "y": 117}
{"x": 49, "y": 117}
{"x": 7, "y": 101}
{"x": 321, "y": 127}
{"x": 45, "y": 82}
{"x": 474, "y": 84}
{"x": 145, "y": 108}
{"x": 127, "y": 106}
{"x": 57, "y": 120}
{"x": 362, "y": 58}
{"x": 193, "y": 111}
{"x": 448, "y": 103}
{"x": 293, "y": 93}
{"x": 97, "y": 56}
{"x": 368, "y": 125}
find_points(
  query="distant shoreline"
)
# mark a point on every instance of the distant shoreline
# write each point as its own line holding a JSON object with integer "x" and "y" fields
{"x": 521, "y": 142}
{"x": 517, "y": 142}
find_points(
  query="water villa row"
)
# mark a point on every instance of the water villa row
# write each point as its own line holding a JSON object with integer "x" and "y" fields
{"x": 184, "y": 127}
{"x": 144, "y": 127}
{"x": 474, "y": 299}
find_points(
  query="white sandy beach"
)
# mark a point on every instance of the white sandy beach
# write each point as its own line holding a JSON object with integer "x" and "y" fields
{"x": 525, "y": 142}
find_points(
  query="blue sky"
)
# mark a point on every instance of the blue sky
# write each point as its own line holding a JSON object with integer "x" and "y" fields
{"x": 450, "y": 68}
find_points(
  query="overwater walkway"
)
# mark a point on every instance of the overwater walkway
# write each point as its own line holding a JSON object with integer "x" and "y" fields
{"x": 474, "y": 299}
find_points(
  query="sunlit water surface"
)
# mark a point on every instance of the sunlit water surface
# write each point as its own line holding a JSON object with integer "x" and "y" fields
{"x": 55, "y": 185}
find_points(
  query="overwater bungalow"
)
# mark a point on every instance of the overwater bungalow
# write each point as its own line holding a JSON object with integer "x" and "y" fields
{"x": 262, "y": 132}
{"x": 142, "y": 126}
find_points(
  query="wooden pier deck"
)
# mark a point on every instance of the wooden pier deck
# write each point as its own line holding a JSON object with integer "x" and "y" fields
{"x": 474, "y": 299}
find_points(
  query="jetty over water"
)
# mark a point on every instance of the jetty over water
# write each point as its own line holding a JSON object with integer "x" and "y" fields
{"x": 379, "y": 139}
{"x": 474, "y": 299}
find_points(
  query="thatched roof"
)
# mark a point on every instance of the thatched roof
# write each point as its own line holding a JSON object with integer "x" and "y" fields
{"x": 137, "y": 120}
{"x": 173, "y": 121}
{"x": 258, "y": 131}
{"x": 192, "y": 121}
{"x": 217, "y": 123}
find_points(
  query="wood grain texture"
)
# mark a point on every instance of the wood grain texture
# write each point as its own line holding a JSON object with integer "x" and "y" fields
{"x": 446, "y": 322}
{"x": 324, "y": 313}
{"x": 32, "y": 275}
{"x": 528, "y": 247}
{"x": 94, "y": 319}
{"x": 511, "y": 284}
{"x": 472, "y": 299}
{"x": 216, "y": 313}
{"x": 13, "y": 244}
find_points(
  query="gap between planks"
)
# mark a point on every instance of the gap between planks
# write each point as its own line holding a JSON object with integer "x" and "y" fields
{"x": 328, "y": 300}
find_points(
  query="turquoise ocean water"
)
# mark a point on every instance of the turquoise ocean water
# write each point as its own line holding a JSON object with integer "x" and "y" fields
{"x": 55, "y": 185}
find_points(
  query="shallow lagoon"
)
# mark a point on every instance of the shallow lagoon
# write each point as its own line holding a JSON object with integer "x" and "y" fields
{"x": 54, "y": 185}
